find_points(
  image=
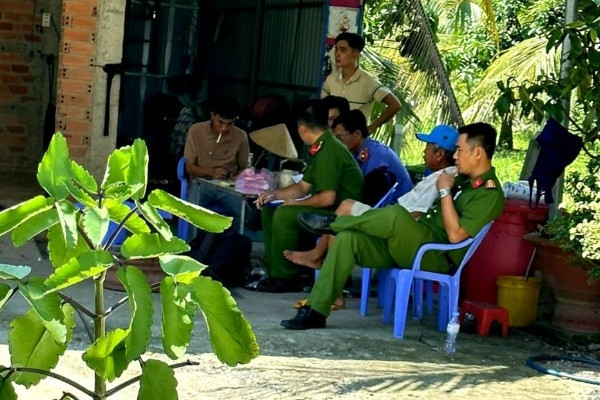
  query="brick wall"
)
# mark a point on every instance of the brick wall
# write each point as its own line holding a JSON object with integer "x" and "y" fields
{"x": 24, "y": 89}
{"x": 75, "y": 75}
{"x": 22, "y": 72}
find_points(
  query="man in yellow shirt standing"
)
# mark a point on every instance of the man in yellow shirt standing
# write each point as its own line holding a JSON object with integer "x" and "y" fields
{"x": 357, "y": 86}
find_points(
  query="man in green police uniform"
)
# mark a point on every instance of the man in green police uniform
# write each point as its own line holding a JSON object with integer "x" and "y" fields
{"x": 331, "y": 177}
{"x": 382, "y": 238}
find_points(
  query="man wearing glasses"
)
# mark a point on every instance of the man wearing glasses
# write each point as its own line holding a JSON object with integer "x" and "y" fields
{"x": 216, "y": 149}
{"x": 370, "y": 154}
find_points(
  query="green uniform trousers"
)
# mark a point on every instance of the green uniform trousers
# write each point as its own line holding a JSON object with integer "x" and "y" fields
{"x": 380, "y": 238}
{"x": 282, "y": 232}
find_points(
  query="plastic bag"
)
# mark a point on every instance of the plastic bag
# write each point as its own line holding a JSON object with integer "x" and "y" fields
{"x": 250, "y": 181}
{"x": 519, "y": 190}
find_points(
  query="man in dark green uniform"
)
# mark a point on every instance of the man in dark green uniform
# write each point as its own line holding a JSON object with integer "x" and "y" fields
{"x": 382, "y": 238}
{"x": 331, "y": 177}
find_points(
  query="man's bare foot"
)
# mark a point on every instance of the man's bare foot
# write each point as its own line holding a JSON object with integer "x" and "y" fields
{"x": 339, "y": 303}
{"x": 306, "y": 258}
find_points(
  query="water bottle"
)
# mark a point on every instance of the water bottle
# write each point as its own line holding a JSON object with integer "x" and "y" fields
{"x": 250, "y": 159}
{"x": 451, "y": 333}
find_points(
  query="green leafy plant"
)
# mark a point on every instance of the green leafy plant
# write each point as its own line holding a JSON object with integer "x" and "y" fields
{"x": 572, "y": 97}
{"x": 577, "y": 229}
{"x": 77, "y": 215}
{"x": 547, "y": 95}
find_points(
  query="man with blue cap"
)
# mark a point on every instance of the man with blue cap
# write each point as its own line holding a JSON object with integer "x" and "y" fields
{"x": 437, "y": 156}
{"x": 441, "y": 140}
{"x": 390, "y": 236}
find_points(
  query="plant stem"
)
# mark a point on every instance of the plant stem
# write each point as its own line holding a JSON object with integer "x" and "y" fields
{"x": 56, "y": 376}
{"x": 99, "y": 330}
{"x": 82, "y": 312}
{"x": 137, "y": 378}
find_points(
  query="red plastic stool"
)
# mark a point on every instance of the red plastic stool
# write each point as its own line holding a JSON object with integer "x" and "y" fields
{"x": 485, "y": 314}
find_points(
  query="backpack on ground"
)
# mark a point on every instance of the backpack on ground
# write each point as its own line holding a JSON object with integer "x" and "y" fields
{"x": 227, "y": 256}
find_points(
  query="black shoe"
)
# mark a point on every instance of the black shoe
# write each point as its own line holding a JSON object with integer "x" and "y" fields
{"x": 276, "y": 285}
{"x": 307, "y": 318}
{"x": 317, "y": 224}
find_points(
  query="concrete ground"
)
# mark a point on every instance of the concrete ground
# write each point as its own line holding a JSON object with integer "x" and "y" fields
{"x": 353, "y": 358}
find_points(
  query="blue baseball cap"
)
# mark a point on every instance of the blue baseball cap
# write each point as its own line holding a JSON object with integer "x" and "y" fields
{"x": 444, "y": 136}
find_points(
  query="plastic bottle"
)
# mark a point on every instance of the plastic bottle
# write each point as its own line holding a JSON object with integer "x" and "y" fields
{"x": 451, "y": 334}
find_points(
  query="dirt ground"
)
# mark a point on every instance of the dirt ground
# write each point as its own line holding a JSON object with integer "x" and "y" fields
{"x": 353, "y": 358}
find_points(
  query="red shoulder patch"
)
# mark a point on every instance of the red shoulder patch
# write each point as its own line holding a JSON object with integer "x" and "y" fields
{"x": 477, "y": 183}
{"x": 364, "y": 154}
{"x": 314, "y": 148}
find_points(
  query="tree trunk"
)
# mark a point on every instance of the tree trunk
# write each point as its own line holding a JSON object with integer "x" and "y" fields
{"x": 506, "y": 132}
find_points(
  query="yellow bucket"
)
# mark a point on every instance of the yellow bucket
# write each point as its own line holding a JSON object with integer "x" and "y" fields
{"x": 519, "y": 297}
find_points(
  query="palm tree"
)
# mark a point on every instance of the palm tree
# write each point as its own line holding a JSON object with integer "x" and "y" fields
{"x": 406, "y": 56}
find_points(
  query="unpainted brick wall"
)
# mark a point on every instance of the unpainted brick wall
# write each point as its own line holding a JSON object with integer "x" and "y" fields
{"x": 21, "y": 85}
{"x": 24, "y": 77}
{"x": 76, "y": 70}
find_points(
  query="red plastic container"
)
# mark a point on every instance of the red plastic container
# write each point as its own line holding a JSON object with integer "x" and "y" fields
{"x": 503, "y": 251}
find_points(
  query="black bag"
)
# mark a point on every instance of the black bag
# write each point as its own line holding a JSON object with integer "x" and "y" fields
{"x": 558, "y": 149}
{"x": 227, "y": 256}
{"x": 377, "y": 183}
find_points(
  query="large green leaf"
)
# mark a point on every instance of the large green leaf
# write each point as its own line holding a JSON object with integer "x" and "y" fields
{"x": 138, "y": 170}
{"x": 152, "y": 216}
{"x": 6, "y": 293}
{"x": 80, "y": 195}
{"x": 140, "y": 303}
{"x": 122, "y": 191}
{"x": 83, "y": 178}
{"x": 19, "y": 213}
{"x": 58, "y": 252}
{"x": 34, "y": 225}
{"x": 47, "y": 308}
{"x": 151, "y": 245}
{"x": 9, "y": 271}
{"x": 95, "y": 224}
{"x": 55, "y": 168}
{"x": 128, "y": 165}
{"x": 107, "y": 356}
{"x": 231, "y": 335}
{"x": 68, "y": 222}
{"x": 7, "y": 390}
{"x": 116, "y": 167}
{"x": 178, "y": 313}
{"x": 119, "y": 211}
{"x": 157, "y": 382}
{"x": 78, "y": 269}
{"x": 32, "y": 345}
{"x": 180, "y": 267}
{"x": 199, "y": 216}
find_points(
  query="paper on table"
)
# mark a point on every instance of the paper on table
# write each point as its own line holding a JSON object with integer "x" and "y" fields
{"x": 277, "y": 202}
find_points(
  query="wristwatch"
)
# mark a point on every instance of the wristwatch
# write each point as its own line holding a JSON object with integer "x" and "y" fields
{"x": 444, "y": 192}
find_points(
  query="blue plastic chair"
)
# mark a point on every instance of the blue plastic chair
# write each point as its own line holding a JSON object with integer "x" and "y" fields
{"x": 399, "y": 281}
{"x": 182, "y": 226}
